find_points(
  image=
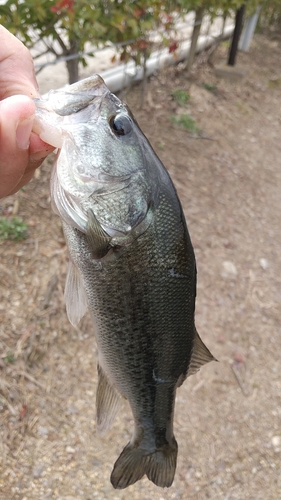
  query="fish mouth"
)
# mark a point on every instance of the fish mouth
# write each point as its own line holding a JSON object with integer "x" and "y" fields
{"x": 88, "y": 84}
{"x": 89, "y": 88}
{"x": 103, "y": 183}
{"x": 79, "y": 95}
{"x": 61, "y": 104}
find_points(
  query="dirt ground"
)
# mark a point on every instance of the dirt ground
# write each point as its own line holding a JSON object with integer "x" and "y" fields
{"x": 228, "y": 416}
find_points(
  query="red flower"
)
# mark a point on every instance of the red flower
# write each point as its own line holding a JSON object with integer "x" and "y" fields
{"x": 173, "y": 47}
{"x": 141, "y": 44}
{"x": 139, "y": 13}
{"x": 63, "y": 4}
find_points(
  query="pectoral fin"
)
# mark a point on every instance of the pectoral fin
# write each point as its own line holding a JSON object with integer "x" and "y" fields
{"x": 108, "y": 402}
{"x": 98, "y": 239}
{"x": 101, "y": 242}
{"x": 200, "y": 355}
{"x": 74, "y": 295}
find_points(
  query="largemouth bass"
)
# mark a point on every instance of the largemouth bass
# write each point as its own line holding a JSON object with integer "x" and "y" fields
{"x": 131, "y": 263}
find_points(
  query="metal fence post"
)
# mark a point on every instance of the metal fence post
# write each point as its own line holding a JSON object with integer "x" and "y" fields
{"x": 249, "y": 30}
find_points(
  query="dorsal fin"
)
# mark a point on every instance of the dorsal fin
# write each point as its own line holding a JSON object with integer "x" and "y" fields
{"x": 200, "y": 355}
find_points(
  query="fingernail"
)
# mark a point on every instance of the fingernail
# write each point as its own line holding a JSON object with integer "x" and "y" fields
{"x": 39, "y": 155}
{"x": 23, "y": 133}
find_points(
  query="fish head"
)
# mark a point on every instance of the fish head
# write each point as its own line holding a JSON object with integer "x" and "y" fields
{"x": 103, "y": 162}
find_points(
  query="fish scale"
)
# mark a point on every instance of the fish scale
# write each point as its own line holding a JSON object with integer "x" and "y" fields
{"x": 139, "y": 283}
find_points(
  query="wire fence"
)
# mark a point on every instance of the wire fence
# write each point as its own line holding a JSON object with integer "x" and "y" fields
{"x": 181, "y": 27}
{"x": 106, "y": 59}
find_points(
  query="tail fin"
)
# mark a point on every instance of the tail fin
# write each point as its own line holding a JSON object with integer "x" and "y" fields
{"x": 134, "y": 463}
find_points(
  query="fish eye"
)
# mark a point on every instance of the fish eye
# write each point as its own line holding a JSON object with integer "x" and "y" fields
{"x": 120, "y": 124}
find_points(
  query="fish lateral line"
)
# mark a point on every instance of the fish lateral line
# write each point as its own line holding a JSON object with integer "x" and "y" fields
{"x": 177, "y": 275}
{"x": 161, "y": 380}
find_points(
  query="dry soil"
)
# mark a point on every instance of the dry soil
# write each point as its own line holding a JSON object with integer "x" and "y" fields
{"x": 228, "y": 416}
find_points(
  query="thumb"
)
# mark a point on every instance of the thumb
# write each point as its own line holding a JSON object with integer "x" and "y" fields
{"x": 16, "y": 121}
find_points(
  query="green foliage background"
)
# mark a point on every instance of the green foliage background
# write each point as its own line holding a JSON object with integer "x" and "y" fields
{"x": 72, "y": 23}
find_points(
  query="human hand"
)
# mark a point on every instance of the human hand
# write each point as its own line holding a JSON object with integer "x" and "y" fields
{"x": 21, "y": 150}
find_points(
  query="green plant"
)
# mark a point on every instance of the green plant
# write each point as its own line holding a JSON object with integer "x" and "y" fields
{"x": 186, "y": 122}
{"x": 211, "y": 87}
{"x": 181, "y": 97}
{"x": 64, "y": 26}
{"x": 12, "y": 229}
{"x": 10, "y": 358}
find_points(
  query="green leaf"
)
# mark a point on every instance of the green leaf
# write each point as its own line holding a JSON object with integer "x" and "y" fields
{"x": 12, "y": 229}
{"x": 186, "y": 122}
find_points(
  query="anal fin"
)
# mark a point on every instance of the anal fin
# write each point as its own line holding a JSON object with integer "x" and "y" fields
{"x": 200, "y": 355}
{"x": 108, "y": 402}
